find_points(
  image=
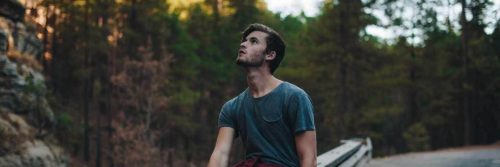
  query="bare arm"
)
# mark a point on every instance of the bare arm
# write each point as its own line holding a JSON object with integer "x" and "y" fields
{"x": 306, "y": 148}
{"x": 220, "y": 156}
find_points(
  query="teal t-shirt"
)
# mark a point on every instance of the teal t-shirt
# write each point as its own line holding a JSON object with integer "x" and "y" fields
{"x": 267, "y": 125}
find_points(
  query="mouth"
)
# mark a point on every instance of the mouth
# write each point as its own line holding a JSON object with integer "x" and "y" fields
{"x": 241, "y": 52}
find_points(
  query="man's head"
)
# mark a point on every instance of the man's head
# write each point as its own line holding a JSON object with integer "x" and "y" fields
{"x": 260, "y": 43}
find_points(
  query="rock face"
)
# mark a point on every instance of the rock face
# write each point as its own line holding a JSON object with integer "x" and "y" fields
{"x": 25, "y": 116}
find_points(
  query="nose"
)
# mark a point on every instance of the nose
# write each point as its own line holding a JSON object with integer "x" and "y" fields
{"x": 243, "y": 45}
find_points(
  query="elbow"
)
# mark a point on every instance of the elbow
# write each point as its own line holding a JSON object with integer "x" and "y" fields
{"x": 311, "y": 162}
{"x": 218, "y": 159}
{"x": 308, "y": 160}
{"x": 214, "y": 160}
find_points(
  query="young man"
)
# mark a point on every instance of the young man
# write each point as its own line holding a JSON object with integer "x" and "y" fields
{"x": 273, "y": 118}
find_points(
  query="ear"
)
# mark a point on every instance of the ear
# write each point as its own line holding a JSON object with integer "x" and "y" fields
{"x": 270, "y": 55}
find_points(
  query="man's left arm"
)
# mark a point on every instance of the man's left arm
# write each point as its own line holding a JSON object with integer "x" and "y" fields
{"x": 305, "y": 143}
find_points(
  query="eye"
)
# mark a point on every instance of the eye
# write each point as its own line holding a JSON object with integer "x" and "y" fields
{"x": 253, "y": 41}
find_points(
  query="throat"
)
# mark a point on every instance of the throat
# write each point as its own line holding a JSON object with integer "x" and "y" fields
{"x": 262, "y": 86}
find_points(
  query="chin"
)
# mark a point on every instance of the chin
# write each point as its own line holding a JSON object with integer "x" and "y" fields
{"x": 240, "y": 62}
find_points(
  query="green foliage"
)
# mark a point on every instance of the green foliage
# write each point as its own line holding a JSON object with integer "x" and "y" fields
{"x": 185, "y": 97}
{"x": 65, "y": 121}
{"x": 34, "y": 87}
{"x": 417, "y": 138}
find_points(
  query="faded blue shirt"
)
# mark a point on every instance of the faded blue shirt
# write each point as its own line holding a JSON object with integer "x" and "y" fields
{"x": 267, "y": 125}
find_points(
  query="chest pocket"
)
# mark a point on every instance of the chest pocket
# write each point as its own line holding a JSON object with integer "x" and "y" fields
{"x": 270, "y": 111}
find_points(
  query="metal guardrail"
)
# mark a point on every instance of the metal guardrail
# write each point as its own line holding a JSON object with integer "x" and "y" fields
{"x": 352, "y": 153}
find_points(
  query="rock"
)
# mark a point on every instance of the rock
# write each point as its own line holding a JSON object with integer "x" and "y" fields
{"x": 36, "y": 154}
{"x": 25, "y": 114}
{"x": 19, "y": 146}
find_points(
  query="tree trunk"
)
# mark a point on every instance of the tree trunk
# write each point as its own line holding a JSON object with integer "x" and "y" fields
{"x": 411, "y": 103}
{"x": 86, "y": 88}
{"x": 464, "y": 53}
{"x": 98, "y": 138}
{"x": 111, "y": 107}
{"x": 342, "y": 99}
{"x": 216, "y": 10}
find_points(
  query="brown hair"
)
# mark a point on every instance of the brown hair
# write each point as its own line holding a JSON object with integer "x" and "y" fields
{"x": 273, "y": 40}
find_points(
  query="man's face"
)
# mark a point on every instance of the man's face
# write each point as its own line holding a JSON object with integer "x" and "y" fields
{"x": 252, "y": 50}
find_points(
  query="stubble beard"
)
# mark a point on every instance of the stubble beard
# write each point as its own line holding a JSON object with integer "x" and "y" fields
{"x": 256, "y": 62}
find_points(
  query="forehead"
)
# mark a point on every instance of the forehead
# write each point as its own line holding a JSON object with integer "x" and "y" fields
{"x": 257, "y": 34}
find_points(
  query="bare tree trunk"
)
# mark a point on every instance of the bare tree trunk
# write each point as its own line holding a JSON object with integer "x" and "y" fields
{"x": 411, "y": 103}
{"x": 102, "y": 22}
{"x": 348, "y": 32}
{"x": 86, "y": 90}
{"x": 170, "y": 160}
{"x": 342, "y": 99}
{"x": 111, "y": 107}
{"x": 464, "y": 53}
{"x": 98, "y": 138}
{"x": 149, "y": 110}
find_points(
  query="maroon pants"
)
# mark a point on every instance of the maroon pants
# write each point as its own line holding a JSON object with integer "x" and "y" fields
{"x": 254, "y": 162}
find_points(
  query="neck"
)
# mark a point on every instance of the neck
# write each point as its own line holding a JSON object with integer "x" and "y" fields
{"x": 261, "y": 82}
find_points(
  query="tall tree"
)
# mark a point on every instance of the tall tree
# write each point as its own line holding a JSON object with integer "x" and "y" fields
{"x": 342, "y": 64}
{"x": 476, "y": 66}
{"x": 464, "y": 54}
{"x": 86, "y": 88}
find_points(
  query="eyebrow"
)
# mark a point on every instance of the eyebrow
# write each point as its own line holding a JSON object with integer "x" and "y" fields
{"x": 254, "y": 38}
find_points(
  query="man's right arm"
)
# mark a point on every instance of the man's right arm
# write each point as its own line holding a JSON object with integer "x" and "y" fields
{"x": 220, "y": 156}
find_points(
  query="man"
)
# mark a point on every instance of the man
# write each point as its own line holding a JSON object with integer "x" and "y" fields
{"x": 274, "y": 118}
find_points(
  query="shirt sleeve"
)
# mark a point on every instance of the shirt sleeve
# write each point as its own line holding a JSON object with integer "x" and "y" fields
{"x": 301, "y": 113}
{"x": 227, "y": 117}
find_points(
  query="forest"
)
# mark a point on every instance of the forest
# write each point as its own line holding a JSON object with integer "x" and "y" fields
{"x": 142, "y": 82}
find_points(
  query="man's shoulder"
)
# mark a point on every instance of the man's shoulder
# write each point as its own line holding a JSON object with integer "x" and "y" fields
{"x": 235, "y": 100}
{"x": 293, "y": 90}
